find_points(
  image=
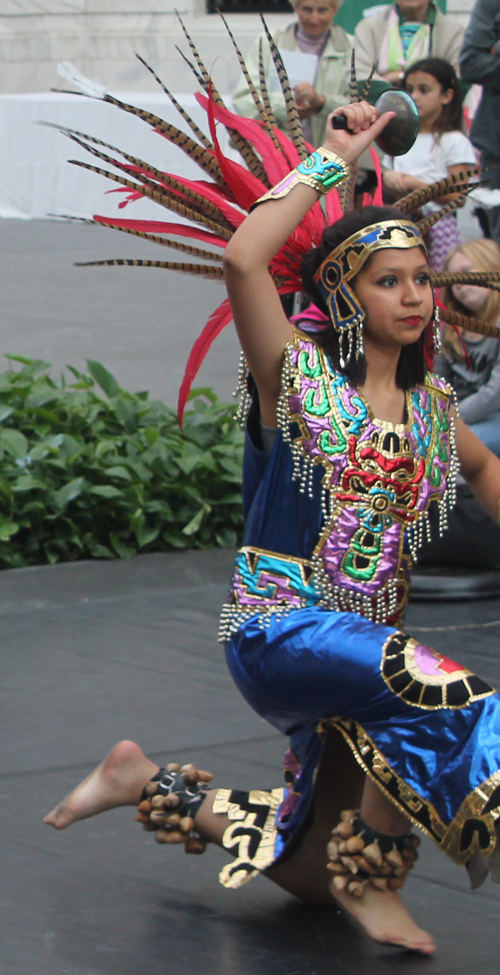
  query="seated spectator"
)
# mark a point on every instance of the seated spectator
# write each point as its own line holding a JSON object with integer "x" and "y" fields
{"x": 440, "y": 149}
{"x": 472, "y": 539}
{"x": 480, "y": 64}
{"x": 313, "y": 33}
{"x": 401, "y": 34}
{"x": 472, "y": 367}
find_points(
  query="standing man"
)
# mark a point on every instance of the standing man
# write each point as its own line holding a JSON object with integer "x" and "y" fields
{"x": 480, "y": 64}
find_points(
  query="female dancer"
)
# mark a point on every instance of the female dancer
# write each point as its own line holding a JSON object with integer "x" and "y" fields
{"x": 365, "y": 441}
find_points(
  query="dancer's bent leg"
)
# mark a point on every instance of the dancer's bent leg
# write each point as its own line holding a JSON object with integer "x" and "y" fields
{"x": 121, "y": 778}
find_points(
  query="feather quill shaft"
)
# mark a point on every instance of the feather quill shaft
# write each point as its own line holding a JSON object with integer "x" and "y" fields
{"x": 163, "y": 199}
{"x": 182, "y": 111}
{"x": 201, "y": 270}
{"x": 291, "y": 108}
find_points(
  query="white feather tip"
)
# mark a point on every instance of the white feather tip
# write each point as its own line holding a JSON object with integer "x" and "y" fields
{"x": 67, "y": 70}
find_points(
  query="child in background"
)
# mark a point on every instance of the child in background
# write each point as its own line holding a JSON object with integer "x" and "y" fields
{"x": 472, "y": 367}
{"x": 440, "y": 149}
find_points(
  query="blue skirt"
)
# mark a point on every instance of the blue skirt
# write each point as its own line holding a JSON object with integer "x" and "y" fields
{"x": 423, "y": 727}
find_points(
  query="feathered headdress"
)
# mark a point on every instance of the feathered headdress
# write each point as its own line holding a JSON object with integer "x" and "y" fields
{"x": 216, "y": 204}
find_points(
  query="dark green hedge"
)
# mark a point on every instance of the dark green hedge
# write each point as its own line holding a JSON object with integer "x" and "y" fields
{"x": 88, "y": 470}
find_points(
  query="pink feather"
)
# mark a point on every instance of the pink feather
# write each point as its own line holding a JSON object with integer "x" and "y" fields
{"x": 378, "y": 200}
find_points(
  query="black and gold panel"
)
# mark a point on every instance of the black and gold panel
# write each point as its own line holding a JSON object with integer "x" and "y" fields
{"x": 425, "y": 679}
{"x": 251, "y": 836}
{"x": 473, "y": 828}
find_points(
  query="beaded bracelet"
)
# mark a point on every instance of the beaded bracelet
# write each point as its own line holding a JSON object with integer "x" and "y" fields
{"x": 321, "y": 170}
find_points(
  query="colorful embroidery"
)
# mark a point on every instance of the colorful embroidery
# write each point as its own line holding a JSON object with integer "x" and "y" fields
{"x": 424, "y": 678}
{"x": 268, "y": 584}
{"x": 379, "y": 480}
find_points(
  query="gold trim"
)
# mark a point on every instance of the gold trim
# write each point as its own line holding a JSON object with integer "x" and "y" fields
{"x": 469, "y": 819}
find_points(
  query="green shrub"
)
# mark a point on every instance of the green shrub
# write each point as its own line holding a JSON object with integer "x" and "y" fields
{"x": 88, "y": 470}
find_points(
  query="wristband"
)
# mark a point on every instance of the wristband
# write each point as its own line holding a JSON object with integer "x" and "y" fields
{"x": 322, "y": 170}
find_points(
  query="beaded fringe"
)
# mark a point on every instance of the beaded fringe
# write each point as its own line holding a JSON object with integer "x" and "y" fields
{"x": 242, "y": 392}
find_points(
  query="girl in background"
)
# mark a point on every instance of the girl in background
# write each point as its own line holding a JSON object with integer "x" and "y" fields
{"x": 471, "y": 364}
{"x": 440, "y": 149}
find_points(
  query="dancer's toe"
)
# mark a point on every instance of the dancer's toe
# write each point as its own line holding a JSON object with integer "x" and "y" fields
{"x": 118, "y": 781}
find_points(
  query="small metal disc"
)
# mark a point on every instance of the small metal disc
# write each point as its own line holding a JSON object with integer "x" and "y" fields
{"x": 400, "y": 133}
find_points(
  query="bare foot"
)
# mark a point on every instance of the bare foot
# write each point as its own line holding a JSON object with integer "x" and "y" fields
{"x": 117, "y": 781}
{"x": 385, "y": 918}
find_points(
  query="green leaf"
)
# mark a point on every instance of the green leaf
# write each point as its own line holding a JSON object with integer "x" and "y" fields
{"x": 122, "y": 550}
{"x": 5, "y": 411}
{"x": 27, "y": 483}
{"x": 151, "y": 434}
{"x": 119, "y": 472}
{"x": 14, "y": 443}
{"x": 69, "y": 492}
{"x": 145, "y": 536}
{"x": 195, "y": 523}
{"x": 7, "y": 530}
{"x": 106, "y": 491}
{"x": 103, "y": 378}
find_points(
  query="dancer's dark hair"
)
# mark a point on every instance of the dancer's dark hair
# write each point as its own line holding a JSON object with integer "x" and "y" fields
{"x": 411, "y": 367}
{"x": 450, "y": 118}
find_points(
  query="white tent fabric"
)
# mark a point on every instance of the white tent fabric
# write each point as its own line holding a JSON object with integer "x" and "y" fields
{"x": 36, "y": 180}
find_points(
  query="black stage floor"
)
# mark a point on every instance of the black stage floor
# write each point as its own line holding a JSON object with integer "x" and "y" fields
{"x": 95, "y": 652}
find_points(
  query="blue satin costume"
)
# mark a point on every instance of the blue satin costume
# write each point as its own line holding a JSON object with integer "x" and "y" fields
{"x": 313, "y": 624}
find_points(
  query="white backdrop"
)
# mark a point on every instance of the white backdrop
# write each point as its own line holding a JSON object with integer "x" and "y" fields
{"x": 36, "y": 179}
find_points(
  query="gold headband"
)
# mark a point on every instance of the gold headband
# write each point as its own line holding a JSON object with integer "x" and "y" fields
{"x": 347, "y": 260}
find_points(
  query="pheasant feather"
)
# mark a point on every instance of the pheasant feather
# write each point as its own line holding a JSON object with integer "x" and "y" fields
{"x": 455, "y": 182}
{"x": 202, "y": 270}
{"x": 162, "y": 198}
{"x": 263, "y": 86}
{"x": 177, "y": 245}
{"x": 253, "y": 91}
{"x": 182, "y": 111}
{"x": 291, "y": 108}
{"x": 471, "y": 324}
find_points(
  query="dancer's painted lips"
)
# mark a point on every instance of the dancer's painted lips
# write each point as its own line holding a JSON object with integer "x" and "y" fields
{"x": 412, "y": 320}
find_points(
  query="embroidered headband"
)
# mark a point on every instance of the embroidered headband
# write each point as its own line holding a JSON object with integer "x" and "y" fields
{"x": 348, "y": 258}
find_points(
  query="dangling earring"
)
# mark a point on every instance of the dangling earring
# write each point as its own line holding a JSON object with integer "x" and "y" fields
{"x": 360, "y": 345}
{"x": 354, "y": 336}
{"x": 436, "y": 331}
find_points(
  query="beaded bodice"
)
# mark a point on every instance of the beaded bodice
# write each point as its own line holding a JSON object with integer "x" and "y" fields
{"x": 376, "y": 484}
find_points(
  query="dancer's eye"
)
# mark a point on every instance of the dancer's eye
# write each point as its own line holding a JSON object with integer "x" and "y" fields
{"x": 389, "y": 281}
{"x": 423, "y": 278}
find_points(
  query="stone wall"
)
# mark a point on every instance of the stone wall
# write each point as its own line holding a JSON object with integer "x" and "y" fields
{"x": 101, "y": 37}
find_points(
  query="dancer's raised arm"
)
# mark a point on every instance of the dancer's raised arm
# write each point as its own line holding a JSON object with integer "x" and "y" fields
{"x": 262, "y": 326}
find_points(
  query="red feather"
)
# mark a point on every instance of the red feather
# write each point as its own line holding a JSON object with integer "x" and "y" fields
{"x": 217, "y": 321}
{"x": 245, "y": 186}
{"x": 275, "y": 165}
{"x": 159, "y": 227}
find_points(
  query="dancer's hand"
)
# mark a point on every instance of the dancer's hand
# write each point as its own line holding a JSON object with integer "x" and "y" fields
{"x": 364, "y": 123}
